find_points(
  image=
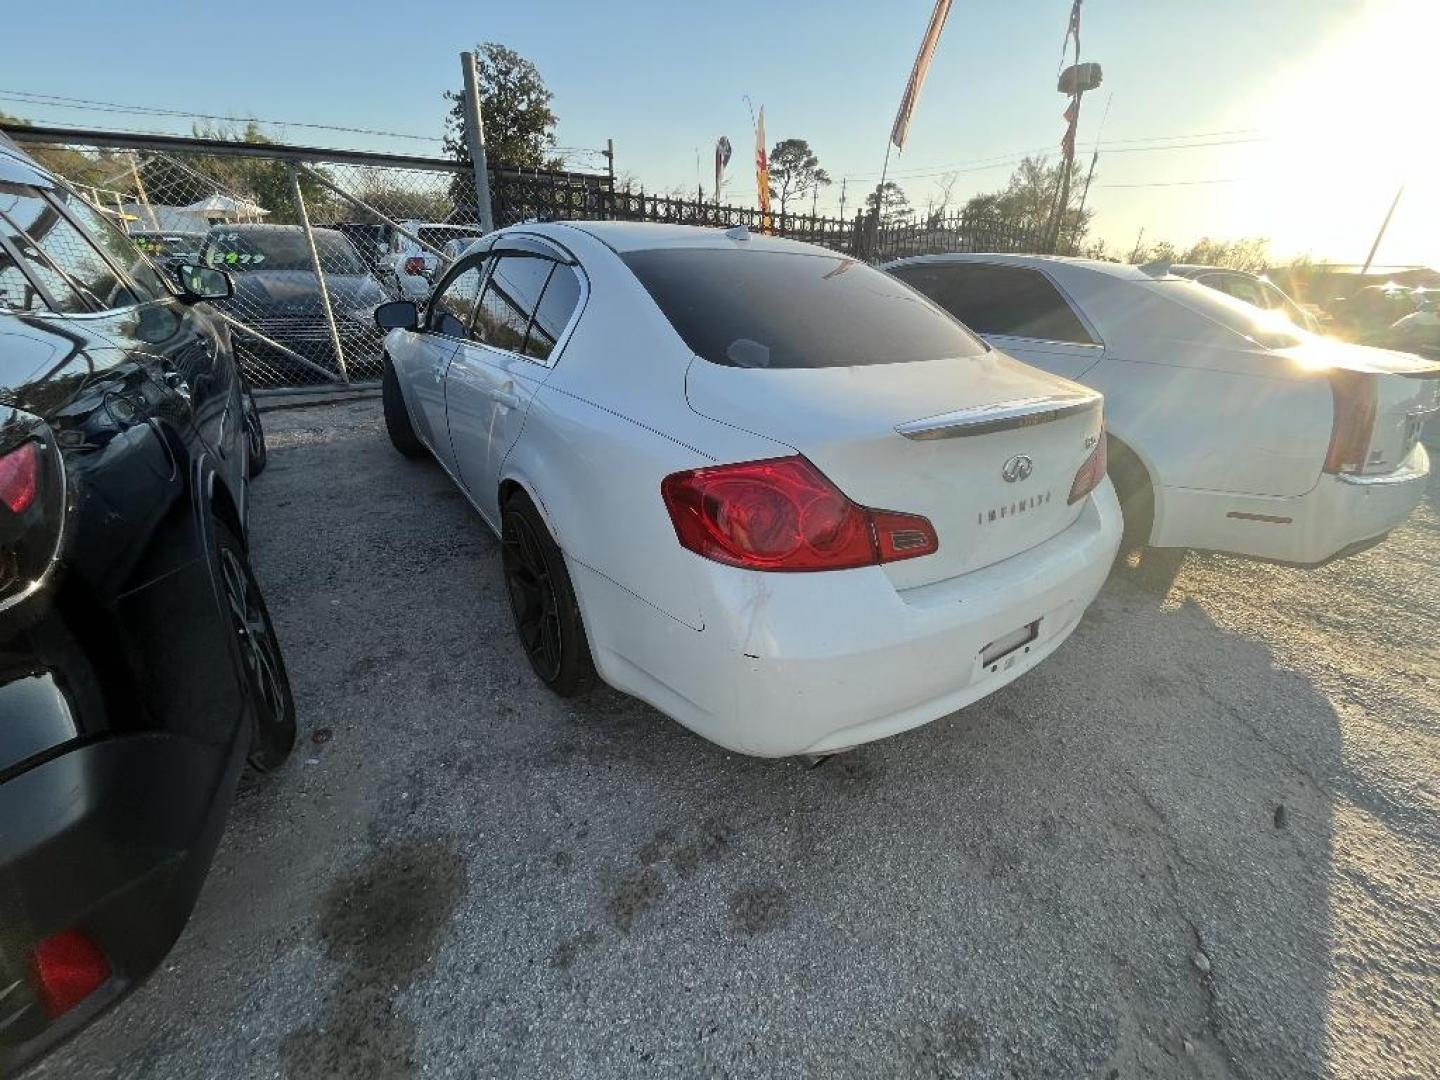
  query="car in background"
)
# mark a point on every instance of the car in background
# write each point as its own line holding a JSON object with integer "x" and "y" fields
{"x": 415, "y": 259}
{"x": 1230, "y": 429}
{"x": 138, "y": 667}
{"x": 168, "y": 249}
{"x": 760, "y": 485}
{"x": 371, "y": 241}
{"x": 1252, "y": 289}
{"x": 284, "y": 335}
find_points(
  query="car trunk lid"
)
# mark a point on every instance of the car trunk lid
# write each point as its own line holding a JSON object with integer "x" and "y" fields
{"x": 984, "y": 447}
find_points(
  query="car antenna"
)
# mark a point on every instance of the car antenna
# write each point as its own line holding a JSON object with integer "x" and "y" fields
{"x": 1156, "y": 267}
{"x": 739, "y": 232}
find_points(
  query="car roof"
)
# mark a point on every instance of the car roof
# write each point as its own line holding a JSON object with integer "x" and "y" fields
{"x": 623, "y": 236}
{"x": 266, "y": 227}
{"x": 1122, "y": 271}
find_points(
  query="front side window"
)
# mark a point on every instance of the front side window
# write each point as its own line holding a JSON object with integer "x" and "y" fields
{"x": 454, "y": 309}
{"x": 782, "y": 309}
{"x": 45, "y": 237}
{"x": 1012, "y": 301}
{"x": 512, "y": 294}
{"x": 144, "y": 278}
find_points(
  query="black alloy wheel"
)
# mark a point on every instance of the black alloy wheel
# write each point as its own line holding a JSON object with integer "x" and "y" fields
{"x": 255, "y": 437}
{"x": 265, "y": 675}
{"x": 542, "y": 599}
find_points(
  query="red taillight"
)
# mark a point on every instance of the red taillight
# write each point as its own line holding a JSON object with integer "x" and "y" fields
{"x": 1354, "y": 394}
{"x": 68, "y": 967}
{"x": 415, "y": 265}
{"x": 1091, "y": 472}
{"x": 20, "y": 477}
{"x": 784, "y": 514}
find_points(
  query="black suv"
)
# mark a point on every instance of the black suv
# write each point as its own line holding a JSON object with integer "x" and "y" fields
{"x": 138, "y": 666}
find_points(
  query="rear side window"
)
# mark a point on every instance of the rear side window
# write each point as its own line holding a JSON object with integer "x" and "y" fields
{"x": 781, "y": 309}
{"x": 1013, "y": 301}
{"x": 557, "y": 305}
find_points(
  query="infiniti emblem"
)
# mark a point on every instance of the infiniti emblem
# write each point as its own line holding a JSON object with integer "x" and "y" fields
{"x": 1018, "y": 467}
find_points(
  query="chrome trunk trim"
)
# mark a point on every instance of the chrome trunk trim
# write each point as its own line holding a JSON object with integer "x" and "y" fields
{"x": 999, "y": 416}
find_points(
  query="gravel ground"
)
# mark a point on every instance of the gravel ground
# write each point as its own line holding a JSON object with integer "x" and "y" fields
{"x": 1202, "y": 840}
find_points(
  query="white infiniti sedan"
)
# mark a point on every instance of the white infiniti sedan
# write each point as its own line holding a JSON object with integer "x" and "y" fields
{"x": 1230, "y": 428}
{"x": 768, "y": 489}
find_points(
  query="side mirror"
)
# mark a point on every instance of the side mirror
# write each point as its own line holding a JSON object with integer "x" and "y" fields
{"x": 398, "y": 315}
{"x": 204, "y": 282}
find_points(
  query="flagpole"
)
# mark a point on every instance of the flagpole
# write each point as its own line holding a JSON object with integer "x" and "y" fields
{"x": 1381, "y": 234}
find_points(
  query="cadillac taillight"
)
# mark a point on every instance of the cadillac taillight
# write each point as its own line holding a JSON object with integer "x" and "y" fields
{"x": 785, "y": 514}
{"x": 1354, "y": 421}
{"x": 1091, "y": 472}
{"x": 415, "y": 264}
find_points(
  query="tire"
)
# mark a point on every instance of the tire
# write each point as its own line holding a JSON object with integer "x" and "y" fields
{"x": 397, "y": 418}
{"x": 1136, "y": 492}
{"x": 542, "y": 601}
{"x": 266, "y": 681}
{"x": 255, "y": 437}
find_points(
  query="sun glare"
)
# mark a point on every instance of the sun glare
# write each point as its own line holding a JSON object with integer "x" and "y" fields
{"x": 1346, "y": 127}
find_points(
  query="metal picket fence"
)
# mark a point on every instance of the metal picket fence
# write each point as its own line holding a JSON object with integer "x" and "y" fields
{"x": 316, "y": 238}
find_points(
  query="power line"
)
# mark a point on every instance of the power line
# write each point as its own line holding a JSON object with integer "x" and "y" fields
{"x": 57, "y": 101}
{"x": 1177, "y": 183}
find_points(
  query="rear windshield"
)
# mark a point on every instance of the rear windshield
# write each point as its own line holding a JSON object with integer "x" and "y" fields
{"x": 241, "y": 250}
{"x": 780, "y": 309}
{"x": 1269, "y": 329}
{"x": 437, "y": 237}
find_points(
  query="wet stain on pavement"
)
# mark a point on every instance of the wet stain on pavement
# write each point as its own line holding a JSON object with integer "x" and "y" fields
{"x": 383, "y": 924}
{"x": 756, "y": 909}
{"x": 634, "y": 895}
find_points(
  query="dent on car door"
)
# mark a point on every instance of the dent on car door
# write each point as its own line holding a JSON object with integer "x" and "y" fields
{"x": 527, "y": 303}
{"x": 1017, "y": 309}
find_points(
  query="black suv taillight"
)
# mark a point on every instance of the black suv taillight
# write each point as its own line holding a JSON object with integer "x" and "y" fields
{"x": 32, "y": 505}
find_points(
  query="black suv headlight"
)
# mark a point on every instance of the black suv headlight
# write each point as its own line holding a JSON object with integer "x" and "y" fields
{"x": 32, "y": 505}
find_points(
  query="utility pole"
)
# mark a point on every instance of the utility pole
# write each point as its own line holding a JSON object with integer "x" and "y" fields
{"x": 475, "y": 140}
{"x": 1381, "y": 234}
{"x": 609, "y": 153}
{"x": 842, "y": 198}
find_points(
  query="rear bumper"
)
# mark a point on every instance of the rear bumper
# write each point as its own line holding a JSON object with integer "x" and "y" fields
{"x": 1340, "y": 516}
{"x": 814, "y": 663}
{"x": 113, "y": 839}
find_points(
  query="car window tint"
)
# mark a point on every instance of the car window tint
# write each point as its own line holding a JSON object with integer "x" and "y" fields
{"x": 17, "y": 291}
{"x": 144, "y": 278}
{"x": 454, "y": 309}
{"x": 557, "y": 305}
{"x": 990, "y": 299}
{"x": 782, "y": 309}
{"x": 511, "y": 296}
{"x": 45, "y": 237}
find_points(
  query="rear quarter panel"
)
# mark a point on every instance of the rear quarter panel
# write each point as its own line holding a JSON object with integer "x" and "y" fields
{"x": 609, "y": 424}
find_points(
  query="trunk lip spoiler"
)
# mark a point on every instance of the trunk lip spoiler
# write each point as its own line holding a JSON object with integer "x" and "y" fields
{"x": 999, "y": 416}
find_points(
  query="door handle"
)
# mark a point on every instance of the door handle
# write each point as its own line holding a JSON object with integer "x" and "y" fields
{"x": 504, "y": 395}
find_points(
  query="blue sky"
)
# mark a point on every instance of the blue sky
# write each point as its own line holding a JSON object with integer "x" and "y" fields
{"x": 1310, "y": 93}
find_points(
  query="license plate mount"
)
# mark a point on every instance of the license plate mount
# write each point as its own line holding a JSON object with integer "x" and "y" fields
{"x": 1004, "y": 651}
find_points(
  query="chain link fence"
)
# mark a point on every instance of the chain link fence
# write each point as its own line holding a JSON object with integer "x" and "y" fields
{"x": 316, "y": 239}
